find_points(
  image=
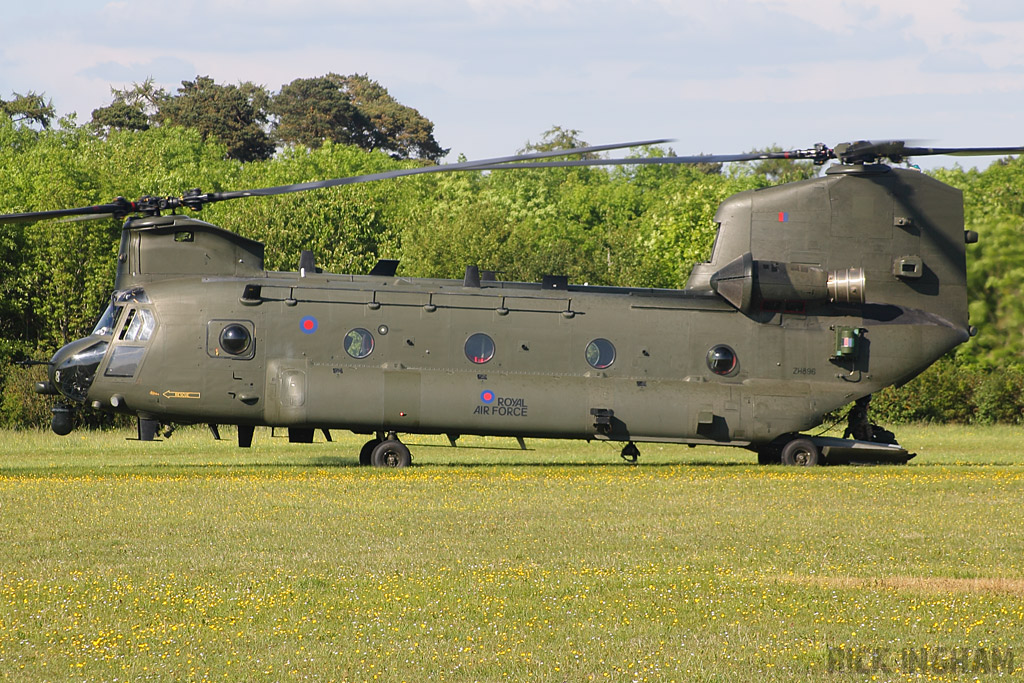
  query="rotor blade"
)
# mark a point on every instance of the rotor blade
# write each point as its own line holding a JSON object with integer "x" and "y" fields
{"x": 638, "y": 161}
{"x": 119, "y": 208}
{"x": 962, "y": 151}
{"x": 402, "y": 172}
{"x": 195, "y": 200}
{"x": 866, "y": 151}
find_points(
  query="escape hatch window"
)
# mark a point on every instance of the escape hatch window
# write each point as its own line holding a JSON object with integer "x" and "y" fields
{"x": 479, "y": 348}
{"x": 600, "y": 353}
{"x": 359, "y": 343}
{"x": 138, "y": 325}
{"x": 124, "y": 361}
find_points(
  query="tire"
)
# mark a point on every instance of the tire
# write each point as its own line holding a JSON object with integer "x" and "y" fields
{"x": 801, "y": 452}
{"x": 391, "y": 453}
{"x": 366, "y": 453}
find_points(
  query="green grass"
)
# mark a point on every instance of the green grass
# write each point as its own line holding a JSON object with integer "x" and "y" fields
{"x": 190, "y": 559}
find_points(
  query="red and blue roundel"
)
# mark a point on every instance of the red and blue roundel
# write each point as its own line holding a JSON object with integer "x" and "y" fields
{"x": 308, "y": 324}
{"x": 487, "y": 396}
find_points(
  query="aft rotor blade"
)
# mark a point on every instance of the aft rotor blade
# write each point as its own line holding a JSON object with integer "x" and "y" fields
{"x": 481, "y": 164}
{"x": 637, "y": 161}
{"x": 962, "y": 151}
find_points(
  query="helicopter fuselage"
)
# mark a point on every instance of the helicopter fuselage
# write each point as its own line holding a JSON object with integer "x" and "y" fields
{"x": 816, "y": 294}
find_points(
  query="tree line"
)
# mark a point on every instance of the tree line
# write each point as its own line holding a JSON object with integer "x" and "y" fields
{"x": 639, "y": 225}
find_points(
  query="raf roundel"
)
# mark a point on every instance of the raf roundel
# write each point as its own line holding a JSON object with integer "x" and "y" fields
{"x": 308, "y": 324}
{"x": 487, "y": 396}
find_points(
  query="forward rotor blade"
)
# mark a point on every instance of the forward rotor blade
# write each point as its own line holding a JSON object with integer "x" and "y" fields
{"x": 118, "y": 208}
{"x": 195, "y": 200}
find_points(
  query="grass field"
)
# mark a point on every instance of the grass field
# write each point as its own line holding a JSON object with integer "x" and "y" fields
{"x": 190, "y": 559}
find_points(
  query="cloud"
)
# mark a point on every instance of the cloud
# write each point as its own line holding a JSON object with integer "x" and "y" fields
{"x": 160, "y": 69}
{"x": 954, "y": 62}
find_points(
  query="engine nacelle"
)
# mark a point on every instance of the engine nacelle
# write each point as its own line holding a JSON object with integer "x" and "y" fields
{"x": 745, "y": 282}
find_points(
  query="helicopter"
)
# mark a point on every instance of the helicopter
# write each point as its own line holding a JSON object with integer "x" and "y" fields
{"x": 816, "y": 294}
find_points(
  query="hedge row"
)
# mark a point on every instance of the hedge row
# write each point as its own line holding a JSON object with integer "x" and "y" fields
{"x": 949, "y": 392}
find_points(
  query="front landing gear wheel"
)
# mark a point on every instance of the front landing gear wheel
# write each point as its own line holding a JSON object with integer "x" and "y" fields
{"x": 366, "y": 453}
{"x": 801, "y": 452}
{"x": 630, "y": 453}
{"x": 391, "y": 453}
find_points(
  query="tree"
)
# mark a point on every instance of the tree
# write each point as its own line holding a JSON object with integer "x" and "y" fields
{"x": 232, "y": 114}
{"x": 133, "y": 108}
{"x": 311, "y": 111}
{"x": 30, "y": 108}
{"x": 352, "y": 110}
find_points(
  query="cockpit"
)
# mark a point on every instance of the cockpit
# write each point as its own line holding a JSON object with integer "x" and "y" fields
{"x": 73, "y": 368}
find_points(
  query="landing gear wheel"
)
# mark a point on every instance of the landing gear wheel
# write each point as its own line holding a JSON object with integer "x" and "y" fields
{"x": 801, "y": 452}
{"x": 366, "y": 453}
{"x": 391, "y": 453}
{"x": 630, "y": 453}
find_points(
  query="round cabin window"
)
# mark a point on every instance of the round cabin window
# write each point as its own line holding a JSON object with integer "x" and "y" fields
{"x": 479, "y": 348}
{"x": 600, "y": 353}
{"x": 235, "y": 339}
{"x": 359, "y": 343}
{"x": 722, "y": 360}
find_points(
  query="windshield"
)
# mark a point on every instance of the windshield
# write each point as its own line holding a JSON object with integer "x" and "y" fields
{"x": 105, "y": 326}
{"x": 107, "y": 321}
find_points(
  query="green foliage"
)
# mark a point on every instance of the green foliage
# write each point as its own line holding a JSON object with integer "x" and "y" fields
{"x": 994, "y": 207}
{"x": 954, "y": 392}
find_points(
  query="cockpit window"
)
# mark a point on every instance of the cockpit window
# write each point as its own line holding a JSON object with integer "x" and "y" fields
{"x": 138, "y": 325}
{"x": 107, "y": 322}
{"x": 134, "y": 295}
{"x": 105, "y": 326}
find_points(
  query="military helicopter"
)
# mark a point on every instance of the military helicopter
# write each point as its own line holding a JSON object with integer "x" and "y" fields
{"x": 817, "y": 294}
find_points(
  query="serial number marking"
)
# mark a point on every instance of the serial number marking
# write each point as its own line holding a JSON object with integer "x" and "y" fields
{"x": 804, "y": 371}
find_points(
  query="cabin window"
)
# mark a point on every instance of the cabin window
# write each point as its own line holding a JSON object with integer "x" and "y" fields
{"x": 235, "y": 339}
{"x": 722, "y": 360}
{"x": 138, "y": 325}
{"x": 600, "y": 353}
{"x": 479, "y": 348}
{"x": 359, "y": 343}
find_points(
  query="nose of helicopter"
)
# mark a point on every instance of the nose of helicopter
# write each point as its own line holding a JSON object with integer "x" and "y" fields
{"x": 73, "y": 367}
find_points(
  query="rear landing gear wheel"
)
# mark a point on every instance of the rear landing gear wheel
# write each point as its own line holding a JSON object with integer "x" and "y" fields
{"x": 801, "y": 452}
{"x": 391, "y": 453}
{"x": 366, "y": 453}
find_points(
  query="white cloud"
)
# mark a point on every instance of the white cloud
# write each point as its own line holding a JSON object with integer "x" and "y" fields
{"x": 721, "y": 76}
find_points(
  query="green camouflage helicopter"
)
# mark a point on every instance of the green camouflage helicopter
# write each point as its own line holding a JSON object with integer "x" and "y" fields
{"x": 817, "y": 293}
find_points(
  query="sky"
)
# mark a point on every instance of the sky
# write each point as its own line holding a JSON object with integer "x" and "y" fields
{"x": 716, "y": 77}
